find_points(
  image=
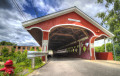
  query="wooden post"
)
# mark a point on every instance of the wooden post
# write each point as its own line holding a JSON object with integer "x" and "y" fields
{"x": 33, "y": 63}
{"x": 79, "y": 48}
{"x": 16, "y": 48}
{"x": 30, "y": 47}
{"x": 21, "y": 48}
{"x": 35, "y": 48}
{"x": 25, "y": 47}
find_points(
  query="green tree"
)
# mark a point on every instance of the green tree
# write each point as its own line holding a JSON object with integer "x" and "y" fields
{"x": 117, "y": 48}
{"x": 5, "y": 52}
{"x": 109, "y": 48}
{"x": 111, "y": 17}
{"x": 7, "y": 43}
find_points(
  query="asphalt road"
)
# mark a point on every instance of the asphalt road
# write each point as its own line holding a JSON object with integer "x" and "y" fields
{"x": 77, "y": 67}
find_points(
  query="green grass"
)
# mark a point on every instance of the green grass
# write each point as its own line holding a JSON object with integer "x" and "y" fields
{"x": 21, "y": 62}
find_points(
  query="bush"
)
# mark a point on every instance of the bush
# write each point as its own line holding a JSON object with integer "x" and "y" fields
{"x": 12, "y": 53}
{"x": 38, "y": 49}
{"x": 21, "y": 57}
{"x": 32, "y": 49}
{"x": 38, "y": 60}
{"x": 18, "y": 52}
{"x": 5, "y": 52}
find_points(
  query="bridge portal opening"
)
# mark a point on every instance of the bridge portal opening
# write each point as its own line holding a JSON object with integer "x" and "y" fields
{"x": 70, "y": 41}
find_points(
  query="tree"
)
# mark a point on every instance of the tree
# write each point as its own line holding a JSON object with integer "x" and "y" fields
{"x": 111, "y": 17}
{"x": 7, "y": 43}
{"x": 109, "y": 48}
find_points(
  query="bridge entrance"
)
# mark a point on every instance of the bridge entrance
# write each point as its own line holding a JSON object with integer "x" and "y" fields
{"x": 70, "y": 30}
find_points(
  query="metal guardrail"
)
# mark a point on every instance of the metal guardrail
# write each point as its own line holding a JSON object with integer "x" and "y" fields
{"x": 32, "y": 54}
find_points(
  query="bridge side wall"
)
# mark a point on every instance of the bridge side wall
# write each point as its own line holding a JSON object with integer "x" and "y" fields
{"x": 104, "y": 56}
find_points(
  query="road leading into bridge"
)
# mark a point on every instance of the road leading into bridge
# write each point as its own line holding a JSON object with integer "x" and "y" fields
{"x": 77, "y": 67}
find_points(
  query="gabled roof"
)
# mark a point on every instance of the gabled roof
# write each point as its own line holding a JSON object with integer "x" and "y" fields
{"x": 73, "y": 9}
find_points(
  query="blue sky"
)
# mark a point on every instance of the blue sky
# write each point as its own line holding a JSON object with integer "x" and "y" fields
{"x": 10, "y": 19}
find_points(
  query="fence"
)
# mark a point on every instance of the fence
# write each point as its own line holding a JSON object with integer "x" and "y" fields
{"x": 21, "y": 48}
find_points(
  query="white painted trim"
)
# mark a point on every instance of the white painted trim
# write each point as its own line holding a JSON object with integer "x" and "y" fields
{"x": 105, "y": 45}
{"x": 75, "y": 9}
{"x": 71, "y": 25}
{"x": 33, "y": 28}
{"x": 37, "y": 28}
{"x": 90, "y": 43}
{"x": 75, "y": 20}
{"x": 41, "y": 19}
{"x": 78, "y": 11}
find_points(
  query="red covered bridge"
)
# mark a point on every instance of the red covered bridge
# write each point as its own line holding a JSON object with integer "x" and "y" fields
{"x": 67, "y": 29}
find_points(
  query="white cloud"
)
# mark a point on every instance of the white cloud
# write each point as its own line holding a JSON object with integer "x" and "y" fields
{"x": 42, "y": 6}
{"x": 11, "y": 28}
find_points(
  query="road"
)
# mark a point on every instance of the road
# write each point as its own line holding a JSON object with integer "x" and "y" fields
{"x": 77, "y": 67}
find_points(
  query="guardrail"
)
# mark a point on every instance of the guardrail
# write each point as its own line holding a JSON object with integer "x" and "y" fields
{"x": 32, "y": 54}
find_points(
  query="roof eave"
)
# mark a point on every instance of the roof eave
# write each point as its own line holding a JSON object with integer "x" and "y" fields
{"x": 38, "y": 20}
{"x": 75, "y": 9}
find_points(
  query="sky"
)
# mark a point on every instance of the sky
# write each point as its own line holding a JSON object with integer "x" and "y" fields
{"x": 11, "y": 28}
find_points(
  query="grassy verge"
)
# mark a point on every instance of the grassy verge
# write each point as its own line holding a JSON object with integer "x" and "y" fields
{"x": 21, "y": 62}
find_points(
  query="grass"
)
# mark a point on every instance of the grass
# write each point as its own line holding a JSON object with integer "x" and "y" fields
{"x": 21, "y": 62}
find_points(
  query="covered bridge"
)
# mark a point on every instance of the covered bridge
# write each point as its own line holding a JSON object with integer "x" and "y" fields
{"x": 66, "y": 29}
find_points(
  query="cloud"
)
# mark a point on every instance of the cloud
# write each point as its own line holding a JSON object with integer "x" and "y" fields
{"x": 11, "y": 28}
{"x": 47, "y": 6}
{"x": 5, "y": 4}
{"x": 90, "y": 7}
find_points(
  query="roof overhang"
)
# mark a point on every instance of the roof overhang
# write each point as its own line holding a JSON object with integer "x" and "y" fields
{"x": 73, "y": 9}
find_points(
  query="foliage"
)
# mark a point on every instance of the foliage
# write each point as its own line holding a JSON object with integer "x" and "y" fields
{"x": 117, "y": 48}
{"x": 21, "y": 57}
{"x": 12, "y": 53}
{"x": 21, "y": 62}
{"x": 7, "y": 43}
{"x": 109, "y": 48}
{"x": 18, "y": 52}
{"x": 38, "y": 60}
{"x": 5, "y": 52}
{"x": 111, "y": 17}
{"x": 38, "y": 49}
{"x": 32, "y": 49}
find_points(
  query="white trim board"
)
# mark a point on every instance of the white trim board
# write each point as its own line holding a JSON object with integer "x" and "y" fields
{"x": 73, "y": 9}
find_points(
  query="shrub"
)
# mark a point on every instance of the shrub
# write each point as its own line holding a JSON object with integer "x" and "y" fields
{"x": 5, "y": 52}
{"x": 38, "y": 49}
{"x": 12, "y": 53}
{"x": 27, "y": 62}
{"x": 32, "y": 49}
{"x": 18, "y": 52}
{"x": 38, "y": 60}
{"x": 21, "y": 57}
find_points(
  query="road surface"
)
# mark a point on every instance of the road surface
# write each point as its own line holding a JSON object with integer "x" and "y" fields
{"x": 77, "y": 67}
